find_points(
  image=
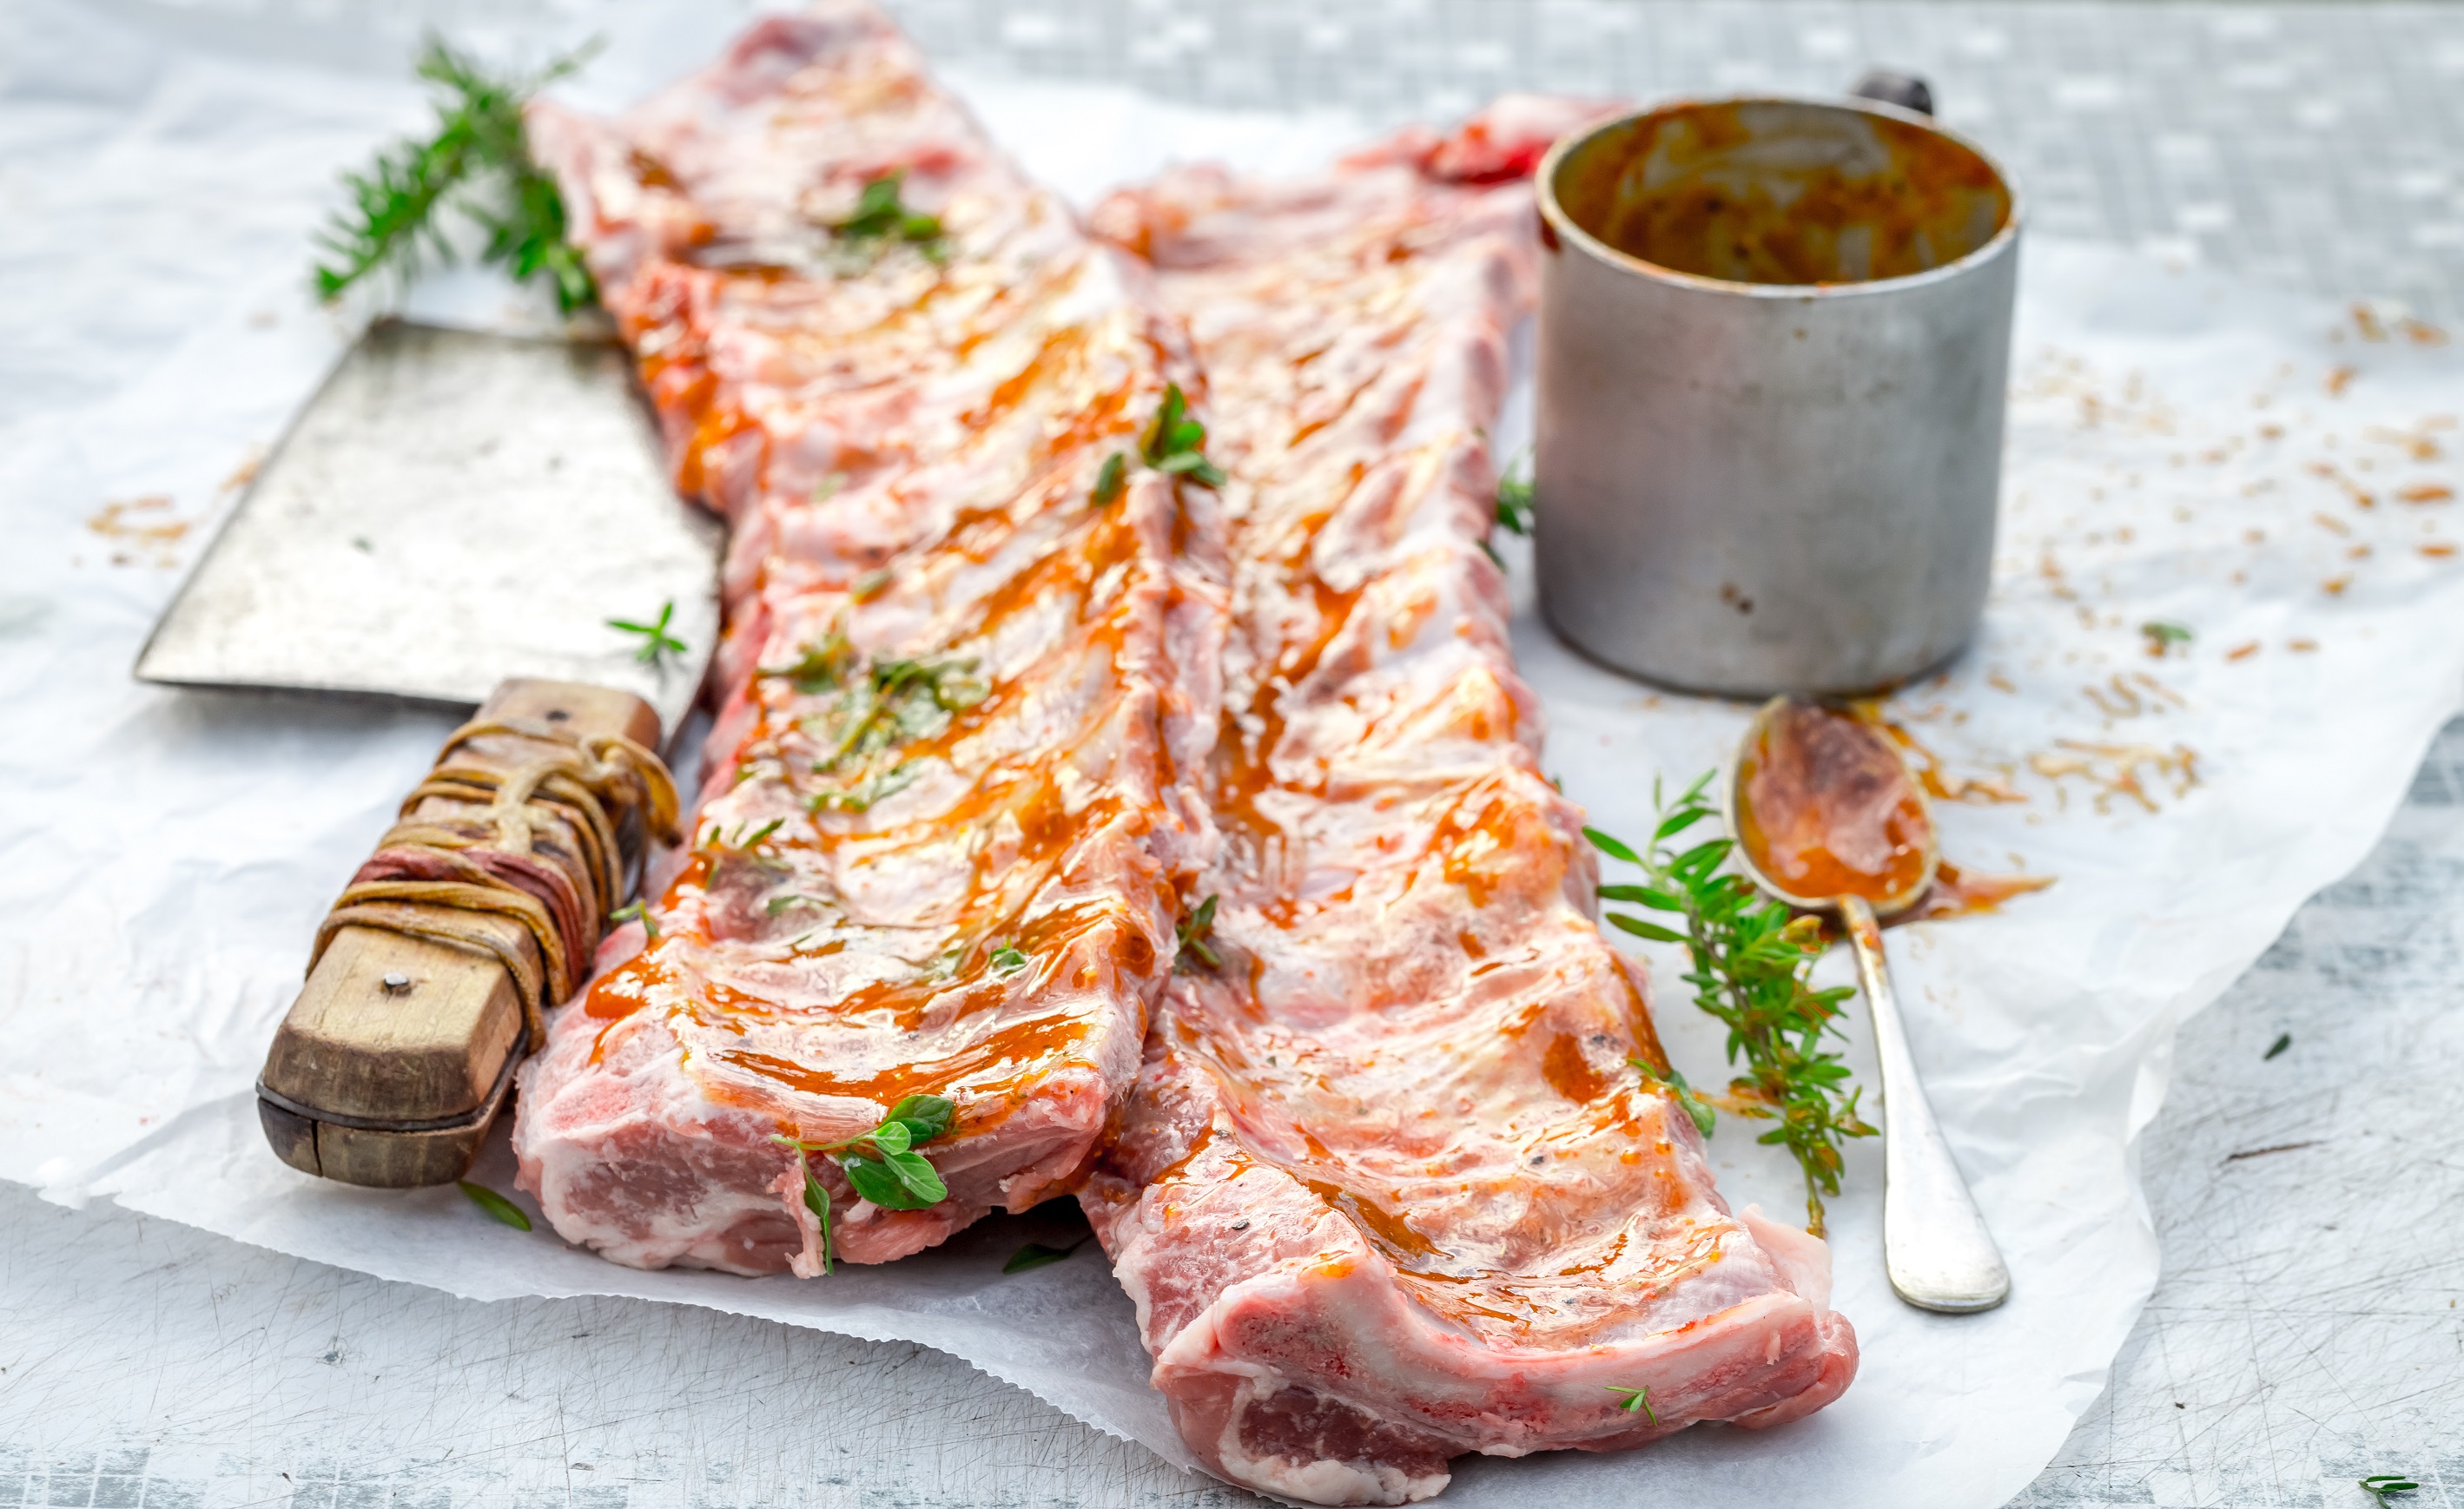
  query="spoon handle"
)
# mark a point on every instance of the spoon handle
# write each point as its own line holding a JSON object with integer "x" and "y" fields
{"x": 1935, "y": 1246}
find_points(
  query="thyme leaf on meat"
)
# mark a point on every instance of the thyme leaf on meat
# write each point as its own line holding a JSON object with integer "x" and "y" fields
{"x": 1749, "y": 961}
{"x": 657, "y": 643}
{"x": 495, "y": 1205}
{"x": 637, "y": 911}
{"x": 1035, "y": 1254}
{"x": 1110, "y": 480}
{"x": 1007, "y": 959}
{"x": 2378, "y": 1485}
{"x": 1683, "y": 1093}
{"x": 1513, "y": 505}
{"x": 881, "y": 1165}
{"x": 1636, "y": 1399}
{"x": 742, "y": 842}
{"x": 1514, "y": 495}
{"x": 1175, "y": 444}
{"x": 1193, "y": 936}
{"x": 478, "y": 161}
{"x": 880, "y": 220}
{"x": 873, "y": 710}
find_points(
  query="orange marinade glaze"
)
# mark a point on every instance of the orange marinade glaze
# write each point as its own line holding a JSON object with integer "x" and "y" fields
{"x": 1829, "y": 809}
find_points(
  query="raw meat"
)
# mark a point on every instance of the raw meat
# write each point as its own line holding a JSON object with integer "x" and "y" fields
{"x": 1388, "y": 1189}
{"x": 963, "y": 699}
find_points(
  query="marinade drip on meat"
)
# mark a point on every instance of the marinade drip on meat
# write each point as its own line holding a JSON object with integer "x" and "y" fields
{"x": 962, "y": 702}
{"x": 1388, "y": 1189}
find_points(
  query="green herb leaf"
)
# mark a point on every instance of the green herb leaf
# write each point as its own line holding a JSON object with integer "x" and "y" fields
{"x": 1693, "y": 1104}
{"x": 817, "y": 1199}
{"x": 637, "y": 911}
{"x": 497, "y": 1205}
{"x": 924, "y": 1116}
{"x": 1192, "y": 937}
{"x": 895, "y": 1181}
{"x": 1748, "y": 961}
{"x": 479, "y": 160}
{"x": 1035, "y": 1255}
{"x": 2381, "y": 1484}
{"x": 2284, "y": 1040}
{"x": 1636, "y": 1399}
{"x": 657, "y": 643}
{"x": 1514, "y": 496}
{"x": 879, "y": 218}
{"x": 1612, "y": 847}
{"x": 1645, "y": 929}
{"x": 1172, "y": 442}
{"x": 1110, "y": 479}
{"x": 2162, "y": 636}
{"x": 1007, "y": 960}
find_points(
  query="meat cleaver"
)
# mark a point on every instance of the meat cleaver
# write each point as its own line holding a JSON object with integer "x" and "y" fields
{"x": 449, "y": 510}
{"x": 455, "y": 518}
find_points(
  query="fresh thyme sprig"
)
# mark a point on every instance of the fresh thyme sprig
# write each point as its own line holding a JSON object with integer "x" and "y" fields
{"x": 1194, "y": 936}
{"x": 1636, "y": 1400}
{"x": 1750, "y": 966}
{"x": 657, "y": 643}
{"x": 2381, "y": 1484}
{"x": 638, "y": 911}
{"x": 478, "y": 161}
{"x": 882, "y": 1165}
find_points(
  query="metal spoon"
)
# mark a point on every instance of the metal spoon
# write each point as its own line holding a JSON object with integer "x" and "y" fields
{"x": 1935, "y": 1245}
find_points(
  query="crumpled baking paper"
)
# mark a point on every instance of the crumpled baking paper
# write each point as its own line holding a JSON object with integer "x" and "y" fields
{"x": 2272, "y": 475}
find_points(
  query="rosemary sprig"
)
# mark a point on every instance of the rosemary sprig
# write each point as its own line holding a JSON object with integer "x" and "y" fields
{"x": 882, "y": 1165}
{"x": 478, "y": 161}
{"x": 657, "y": 643}
{"x": 1636, "y": 1400}
{"x": 1194, "y": 935}
{"x": 1750, "y": 966}
{"x": 2378, "y": 1485}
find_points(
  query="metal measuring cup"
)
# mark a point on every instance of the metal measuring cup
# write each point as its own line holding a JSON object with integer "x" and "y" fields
{"x": 1773, "y": 340}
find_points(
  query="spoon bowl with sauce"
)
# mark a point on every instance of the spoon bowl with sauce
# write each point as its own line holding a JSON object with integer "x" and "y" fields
{"x": 1828, "y": 819}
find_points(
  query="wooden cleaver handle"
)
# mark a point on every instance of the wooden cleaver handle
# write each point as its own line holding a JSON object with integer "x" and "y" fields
{"x": 400, "y": 1051}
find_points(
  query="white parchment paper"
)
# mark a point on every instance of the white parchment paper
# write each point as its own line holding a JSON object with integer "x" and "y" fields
{"x": 2181, "y": 449}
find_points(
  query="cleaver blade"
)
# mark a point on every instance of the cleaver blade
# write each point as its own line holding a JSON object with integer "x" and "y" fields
{"x": 452, "y": 509}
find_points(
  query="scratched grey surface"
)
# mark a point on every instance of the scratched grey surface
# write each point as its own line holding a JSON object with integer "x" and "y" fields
{"x": 2306, "y": 1330}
